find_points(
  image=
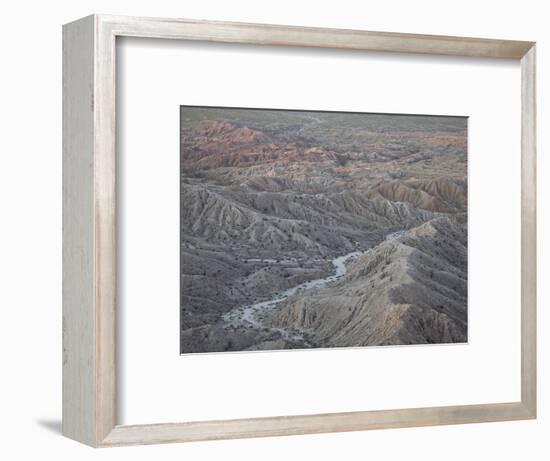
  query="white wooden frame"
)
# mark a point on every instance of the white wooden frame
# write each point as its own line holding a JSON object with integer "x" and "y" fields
{"x": 89, "y": 233}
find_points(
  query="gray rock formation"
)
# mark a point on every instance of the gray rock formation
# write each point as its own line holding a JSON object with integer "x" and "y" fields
{"x": 409, "y": 290}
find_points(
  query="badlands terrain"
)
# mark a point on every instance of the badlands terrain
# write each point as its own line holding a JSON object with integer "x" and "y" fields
{"x": 321, "y": 229}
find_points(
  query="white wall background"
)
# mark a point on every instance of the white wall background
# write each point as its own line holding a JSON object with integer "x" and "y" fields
{"x": 30, "y": 247}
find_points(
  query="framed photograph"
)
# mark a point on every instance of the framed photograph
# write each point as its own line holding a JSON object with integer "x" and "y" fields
{"x": 275, "y": 230}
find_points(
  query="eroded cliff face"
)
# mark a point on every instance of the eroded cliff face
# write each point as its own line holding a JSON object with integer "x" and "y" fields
{"x": 409, "y": 290}
{"x": 268, "y": 200}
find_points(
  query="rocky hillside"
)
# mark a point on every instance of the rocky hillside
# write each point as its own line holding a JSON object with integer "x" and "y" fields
{"x": 408, "y": 290}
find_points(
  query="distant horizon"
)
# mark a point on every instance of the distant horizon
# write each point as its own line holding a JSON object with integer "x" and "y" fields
{"x": 276, "y": 109}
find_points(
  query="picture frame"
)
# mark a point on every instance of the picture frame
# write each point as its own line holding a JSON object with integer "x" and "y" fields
{"x": 89, "y": 230}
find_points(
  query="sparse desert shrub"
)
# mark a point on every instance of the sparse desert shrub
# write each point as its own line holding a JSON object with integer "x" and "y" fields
{"x": 340, "y": 160}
